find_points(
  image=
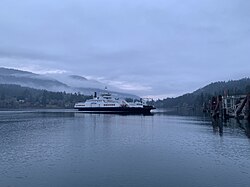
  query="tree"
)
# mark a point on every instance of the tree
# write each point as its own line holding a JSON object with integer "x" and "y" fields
{"x": 247, "y": 89}
{"x": 2, "y": 96}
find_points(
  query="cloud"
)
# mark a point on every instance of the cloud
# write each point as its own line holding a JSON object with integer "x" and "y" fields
{"x": 161, "y": 47}
{"x": 128, "y": 86}
{"x": 122, "y": 85}
{"x": 35, "y": 66}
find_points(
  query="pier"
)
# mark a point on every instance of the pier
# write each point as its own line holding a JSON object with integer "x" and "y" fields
{"x": 225, "y": 107}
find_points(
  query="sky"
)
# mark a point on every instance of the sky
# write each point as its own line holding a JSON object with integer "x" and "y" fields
{"x": 153, "y": 48}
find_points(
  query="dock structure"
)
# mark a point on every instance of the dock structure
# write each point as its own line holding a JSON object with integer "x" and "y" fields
{"x": 237, "y": 106}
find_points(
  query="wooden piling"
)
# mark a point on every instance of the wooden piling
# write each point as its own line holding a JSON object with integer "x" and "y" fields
{"x": 240, "y": 108}
{"x": 218, "y": 112}
{"x": 247, "y": 107}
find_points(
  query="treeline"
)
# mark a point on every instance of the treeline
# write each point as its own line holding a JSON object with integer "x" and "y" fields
{"x": 198, "y": 98}
{"x": 15, "y": 96}
{"x": 188, "y": 101}
{"x": 232, "y": 87}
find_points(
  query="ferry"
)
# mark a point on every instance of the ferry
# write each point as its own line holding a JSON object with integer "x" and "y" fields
{"x": 106, "y": 103}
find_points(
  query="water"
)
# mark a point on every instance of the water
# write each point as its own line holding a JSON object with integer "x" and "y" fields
{"x": 64, "y": 148}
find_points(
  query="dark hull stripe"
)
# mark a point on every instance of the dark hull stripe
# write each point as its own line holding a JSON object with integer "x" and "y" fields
{"x": 132, "y": 110}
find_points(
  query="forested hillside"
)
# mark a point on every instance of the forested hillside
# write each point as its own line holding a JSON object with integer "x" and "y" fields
{"x": 200, "y": 96}
{"x": 15, "y": 96}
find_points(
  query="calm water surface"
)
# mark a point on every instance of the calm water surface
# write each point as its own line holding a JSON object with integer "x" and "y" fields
{"x": 66, "y": 148}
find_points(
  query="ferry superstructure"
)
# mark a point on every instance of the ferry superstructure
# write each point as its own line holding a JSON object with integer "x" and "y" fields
{"x": 107, "y": 103}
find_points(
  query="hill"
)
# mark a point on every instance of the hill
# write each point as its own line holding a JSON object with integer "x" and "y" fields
{"x": 32, "y": 80}
{"x": 196, "y": 99}
{"x": 16, "y": 96}
{"x": 58, "y": 83}
{"x": 232, "y": 87}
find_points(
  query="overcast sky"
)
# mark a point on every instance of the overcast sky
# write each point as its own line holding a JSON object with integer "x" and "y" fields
{"x": 147, "y": 47}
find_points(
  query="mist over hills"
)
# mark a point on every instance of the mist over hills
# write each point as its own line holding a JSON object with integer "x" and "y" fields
{"x": 59, "y": 83}
{"x": 28, "y": 79}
